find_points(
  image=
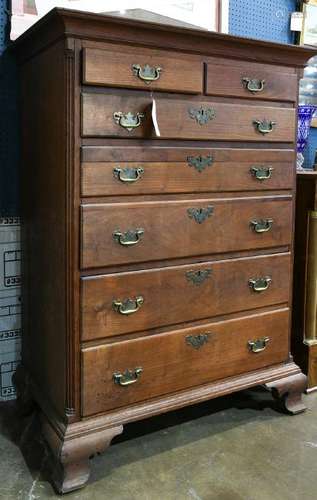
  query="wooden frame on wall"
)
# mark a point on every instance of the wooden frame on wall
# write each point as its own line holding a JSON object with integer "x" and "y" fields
{"x": 212, "y": 15}
{"x": 309, "y": 30}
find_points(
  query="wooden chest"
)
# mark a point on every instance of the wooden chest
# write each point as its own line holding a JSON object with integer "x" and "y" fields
{"x": 158, "y": 201}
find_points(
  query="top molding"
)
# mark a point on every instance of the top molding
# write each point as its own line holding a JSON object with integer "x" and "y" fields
{"x": 60, "y": 23}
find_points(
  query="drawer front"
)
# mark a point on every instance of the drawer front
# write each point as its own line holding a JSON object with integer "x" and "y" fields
{"x": 131, "y": 116}
{"x": 142, "y": 70}
{"x": 134, "y": 301}
{"x": 254, "y": 81}
{"x": 122, "y": 233}
{"x": 123, "y": 171}
{"x": 169, "y": 362}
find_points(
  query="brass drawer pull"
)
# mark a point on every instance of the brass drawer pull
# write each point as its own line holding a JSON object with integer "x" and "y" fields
{"x": 128, "y": 174}
{"x": 262, "y": 225}
{"x": 128, "y": 238}
{"x": 258, "y": 345}
{"x": 260, "y": 284}
{"x": 200, "y": 162}
{"x": 262, "y": 173}
{"x": 128, "y": 377}
{"x": 253, "y": 84}
{"x": 197, "y": 341}
{"x": 200, "y": 214}
{"x": 148, "y": 73}
{"x": 264, "y": 126}
{"x": 198, "y": 277}
{"x": 128, "y": 306}
{"x": 129, "y": 121}
{"x": 202, "y": 115}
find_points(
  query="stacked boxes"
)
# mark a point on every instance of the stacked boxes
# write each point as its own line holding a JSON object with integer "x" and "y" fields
{"x": 10, "y": 304}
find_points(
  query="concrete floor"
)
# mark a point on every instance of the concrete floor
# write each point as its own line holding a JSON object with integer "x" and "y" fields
{"x": 233, "y": 448}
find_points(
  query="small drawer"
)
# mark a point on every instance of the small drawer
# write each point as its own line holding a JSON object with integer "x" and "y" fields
{"x": 251, "y": 80}
{"x": 147, "y": 70}
{"x": 113, "y": 171}
{"x": 127, "y": 302}
{"x": 123, "y": 233}
{"x": 124, "y": 373}
{"x": 114, "y": 115}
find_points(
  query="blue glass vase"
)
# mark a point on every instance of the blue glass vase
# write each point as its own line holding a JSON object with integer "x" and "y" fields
{"x": 305, "y": 114}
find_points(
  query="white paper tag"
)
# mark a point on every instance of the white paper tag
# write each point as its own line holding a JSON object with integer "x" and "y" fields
{"x": 297, "y": 21}
{"x": 154, "y": 119}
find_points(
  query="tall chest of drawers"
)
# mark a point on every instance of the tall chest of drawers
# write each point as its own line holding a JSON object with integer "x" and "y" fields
{"x": 158, "y": 198}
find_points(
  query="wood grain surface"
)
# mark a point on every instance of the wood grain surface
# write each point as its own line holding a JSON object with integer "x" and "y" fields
{"x": 225, "y": 78}
{"x": 231, "y": 122}
{"x": 170, "y": 296}
{"x": 170, "y": 231}
{"x": 114, "y": 69}
{"x": 169, "y": 363}
{"x": 200, "y": 170}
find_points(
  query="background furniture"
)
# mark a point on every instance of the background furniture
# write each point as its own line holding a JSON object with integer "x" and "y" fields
{"x": 159, "y": 262}
{"x": 304, "y": 337}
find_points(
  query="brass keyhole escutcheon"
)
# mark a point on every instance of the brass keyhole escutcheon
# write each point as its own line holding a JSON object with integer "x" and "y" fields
{"x": 200, "y": 214}
{"x": 202, "y": 115}
{"x": 200, "y": 162}
{"x": 197, "y": 341}
{"x": 198, "y": 277}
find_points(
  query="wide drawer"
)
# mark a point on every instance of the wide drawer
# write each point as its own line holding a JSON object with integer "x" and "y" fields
{"x": 251, "y": 80}
{"x": 121, "y": 233}
{"x": 142, "y": 69}
{"x": 121, "y": 115}
{"x": 124, "y": 373}
{"x": 126, "y": 302}
{"x": 136, "y": 170}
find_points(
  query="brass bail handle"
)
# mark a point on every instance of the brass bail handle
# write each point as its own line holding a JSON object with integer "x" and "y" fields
{"x": 264, "y": 126}
{"x": 253, "y": 85}
{"x": 128, "y": 238}
{"x": 262, "y": 173}
{"x": 128, "y": 175}
{"x": 129, "y": 120}
{"x": 262, "y": 225}
{"x": 128, "y": 377}
{"x": 147, "y": 73}
{"x": 258, "y": 345}
{"x": 128, "y": 306}
{"x": 260, "y": 284}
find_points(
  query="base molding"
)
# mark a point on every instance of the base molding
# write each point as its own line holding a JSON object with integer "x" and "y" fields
{"x": 72, "y": 444}
{"x": 194, "y": 395}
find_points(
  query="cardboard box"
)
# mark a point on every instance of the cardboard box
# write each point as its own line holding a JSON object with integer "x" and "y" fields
{"x": 10, "y": 304}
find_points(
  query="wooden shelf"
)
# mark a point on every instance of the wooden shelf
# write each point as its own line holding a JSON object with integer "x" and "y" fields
{"x": 307, "y": 174}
